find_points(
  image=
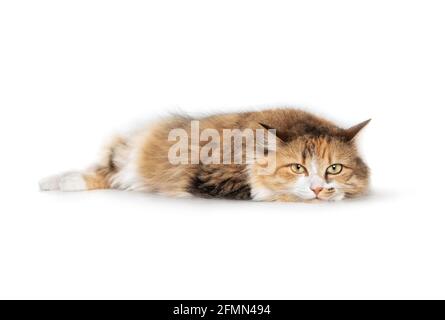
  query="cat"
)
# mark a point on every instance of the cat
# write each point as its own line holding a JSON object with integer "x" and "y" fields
{"x": 312, "y": 159}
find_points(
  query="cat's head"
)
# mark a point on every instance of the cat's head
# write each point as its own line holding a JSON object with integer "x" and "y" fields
{"x": 321, "y": 165}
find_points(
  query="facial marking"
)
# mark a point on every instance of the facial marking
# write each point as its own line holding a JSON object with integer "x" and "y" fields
{"x": 305, "y": 186}
{"x": 315, "y": 180}
{"x": 302, "y": 188}
{"x": 314, "y": 166}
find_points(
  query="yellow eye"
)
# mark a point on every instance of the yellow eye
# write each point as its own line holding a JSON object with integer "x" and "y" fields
{"x": 334, "y": 169}
{"x": 297, "y": 168}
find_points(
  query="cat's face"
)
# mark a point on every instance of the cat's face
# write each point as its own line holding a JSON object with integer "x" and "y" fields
{"x": 325, "y": 168}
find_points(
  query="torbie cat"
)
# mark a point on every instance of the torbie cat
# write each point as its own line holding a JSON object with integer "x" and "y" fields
{"x": 311, "y": 159}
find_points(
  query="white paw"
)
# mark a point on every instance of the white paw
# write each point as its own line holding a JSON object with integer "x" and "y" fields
{"x": 49, "y": 183}
{"x": 73, "y": 181}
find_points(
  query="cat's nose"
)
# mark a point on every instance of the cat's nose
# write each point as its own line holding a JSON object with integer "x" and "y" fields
{"x": 317, "y": 190}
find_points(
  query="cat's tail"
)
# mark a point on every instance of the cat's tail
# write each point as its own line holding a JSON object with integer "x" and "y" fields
{"x": 98, "y": 176}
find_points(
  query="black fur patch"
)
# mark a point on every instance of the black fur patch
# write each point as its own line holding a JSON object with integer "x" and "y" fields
{"x": 219, "y": 182}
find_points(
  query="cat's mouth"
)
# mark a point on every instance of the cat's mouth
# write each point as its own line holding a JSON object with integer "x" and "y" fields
{"x": 329, "y": 194}
{"x": 335, "y": 196}
{"x": 324, "y": 194}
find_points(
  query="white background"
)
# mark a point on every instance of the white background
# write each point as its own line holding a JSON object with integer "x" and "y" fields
{"x": 73, "y": 72}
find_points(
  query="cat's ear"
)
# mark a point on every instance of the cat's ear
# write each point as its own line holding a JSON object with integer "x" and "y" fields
{"x": 353, "y": 131}
{"x": 280, "y": 135}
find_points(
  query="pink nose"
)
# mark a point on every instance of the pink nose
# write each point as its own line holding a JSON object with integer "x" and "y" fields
{"x": 317, "y": 190}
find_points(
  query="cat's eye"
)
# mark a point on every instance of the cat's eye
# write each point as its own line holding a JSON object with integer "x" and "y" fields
{"x": 334, "y": 169}
{"x": 298, "y": 168}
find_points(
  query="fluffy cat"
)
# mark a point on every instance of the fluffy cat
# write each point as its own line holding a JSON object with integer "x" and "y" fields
{"x": 313, "y": 159}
